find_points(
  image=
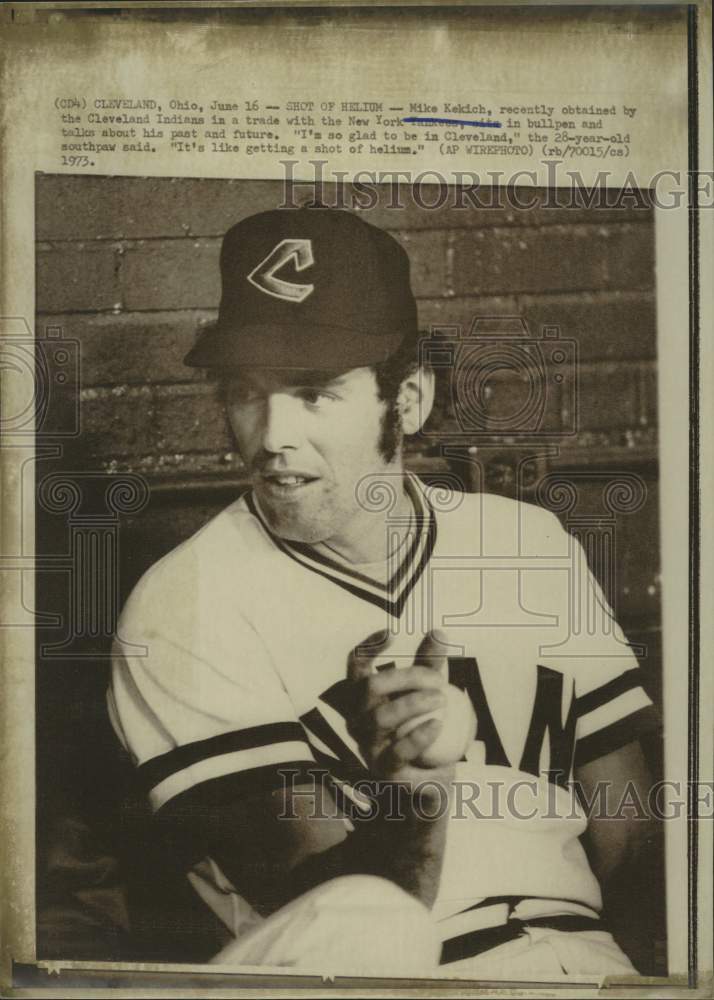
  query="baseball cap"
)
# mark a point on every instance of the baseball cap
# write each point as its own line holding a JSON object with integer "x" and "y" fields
{"x": 312, "y": 287}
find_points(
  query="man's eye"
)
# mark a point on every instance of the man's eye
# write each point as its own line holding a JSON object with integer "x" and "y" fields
{"x": 316, "y": 397}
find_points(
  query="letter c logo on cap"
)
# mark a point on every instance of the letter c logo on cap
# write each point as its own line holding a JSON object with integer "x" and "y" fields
{"x": 263, "y": 276}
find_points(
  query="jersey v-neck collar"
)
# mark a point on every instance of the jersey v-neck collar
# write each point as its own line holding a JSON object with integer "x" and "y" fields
{"x": 391, "y": 596}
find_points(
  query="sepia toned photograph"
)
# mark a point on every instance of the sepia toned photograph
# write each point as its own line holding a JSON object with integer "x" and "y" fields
{"x": 349, "y": 593}
{"x": 354, "y": 471}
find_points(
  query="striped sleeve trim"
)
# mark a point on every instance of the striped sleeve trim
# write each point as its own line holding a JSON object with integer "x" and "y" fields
{"x": 184, "y": 822}
{"x": 617, "y": 734}
{"x": 619, "y": 707}
{"x": 600, "y": 696}
{"x": 174, "y": 772}
{"x": 216, "y": 767}
{"x": 228, "y": 788}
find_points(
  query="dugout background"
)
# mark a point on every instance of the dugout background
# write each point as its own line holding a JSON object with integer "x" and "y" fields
{"x": 127, "y": 270}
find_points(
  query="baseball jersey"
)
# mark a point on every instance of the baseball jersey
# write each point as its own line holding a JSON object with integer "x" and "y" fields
{"x": 230, "y": 672}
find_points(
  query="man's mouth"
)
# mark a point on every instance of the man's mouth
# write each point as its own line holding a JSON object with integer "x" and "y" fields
{"x": 283, "y": 483}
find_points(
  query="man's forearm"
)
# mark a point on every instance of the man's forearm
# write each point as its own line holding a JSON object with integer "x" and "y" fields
{"x": 401, "y": 843}
{"x": 275, "y": 847}
{"x": 614, "y": 846}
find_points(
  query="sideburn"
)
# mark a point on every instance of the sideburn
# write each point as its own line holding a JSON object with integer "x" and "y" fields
{"x": 390, "y": 436}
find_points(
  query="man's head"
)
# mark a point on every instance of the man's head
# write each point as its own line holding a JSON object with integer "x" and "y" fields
{"x": 316, "y": 349}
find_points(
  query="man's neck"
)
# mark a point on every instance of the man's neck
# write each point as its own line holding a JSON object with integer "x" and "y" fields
{"x": 378, "y": 537}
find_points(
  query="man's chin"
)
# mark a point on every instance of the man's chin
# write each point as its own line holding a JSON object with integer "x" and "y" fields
{"x": 291, "y": 530}
{"x": 286, "y": 521}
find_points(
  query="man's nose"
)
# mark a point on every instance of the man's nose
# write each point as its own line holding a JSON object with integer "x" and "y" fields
{"x": 282, "y": 426}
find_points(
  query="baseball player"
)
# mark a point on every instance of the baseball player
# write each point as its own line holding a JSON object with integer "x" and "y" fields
{"x": 356, "y": 703}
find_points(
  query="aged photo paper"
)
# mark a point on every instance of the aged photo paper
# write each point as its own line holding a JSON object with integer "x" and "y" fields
{"x": 335, "y": 340}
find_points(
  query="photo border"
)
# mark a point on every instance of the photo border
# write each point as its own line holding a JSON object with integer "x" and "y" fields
{"x": 694, "y": 690}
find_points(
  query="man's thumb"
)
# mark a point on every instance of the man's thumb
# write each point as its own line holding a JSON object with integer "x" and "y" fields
{"x": 433, "y": 650}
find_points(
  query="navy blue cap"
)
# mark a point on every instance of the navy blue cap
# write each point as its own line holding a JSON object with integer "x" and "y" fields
{"x": 314, "y": 288}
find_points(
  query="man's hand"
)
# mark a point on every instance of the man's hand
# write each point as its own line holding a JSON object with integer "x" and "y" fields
{"x": 271, "y": 861}
{"x": 393, "y": 721}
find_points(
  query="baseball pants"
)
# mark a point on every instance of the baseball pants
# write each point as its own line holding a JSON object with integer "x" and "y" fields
{"x": 362, "y": 925}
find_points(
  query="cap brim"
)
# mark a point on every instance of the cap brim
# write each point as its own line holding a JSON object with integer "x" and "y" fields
{"x": 278, "y": 346}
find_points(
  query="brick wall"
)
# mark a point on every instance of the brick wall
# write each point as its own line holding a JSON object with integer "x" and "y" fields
{"x": 129, "y": 267}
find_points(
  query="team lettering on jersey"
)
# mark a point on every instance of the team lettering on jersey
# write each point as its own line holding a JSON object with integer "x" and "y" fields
{"x": 463, "y": 672}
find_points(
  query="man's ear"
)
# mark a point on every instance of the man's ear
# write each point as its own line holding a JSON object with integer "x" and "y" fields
{"x": 416, "y": 398}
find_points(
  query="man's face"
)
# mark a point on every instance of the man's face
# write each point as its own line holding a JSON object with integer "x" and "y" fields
{"x": 308, "y": 439}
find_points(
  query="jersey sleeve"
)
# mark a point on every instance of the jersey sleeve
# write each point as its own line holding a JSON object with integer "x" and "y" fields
{"x": 196, "y": 701}
{"x": 612, "y": 706}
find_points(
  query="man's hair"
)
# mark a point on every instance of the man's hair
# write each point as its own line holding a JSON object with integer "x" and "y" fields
{"x": 390, "y": 375}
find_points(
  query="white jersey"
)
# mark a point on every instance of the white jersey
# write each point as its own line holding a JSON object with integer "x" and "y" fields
{"x": 230, "y": 673}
